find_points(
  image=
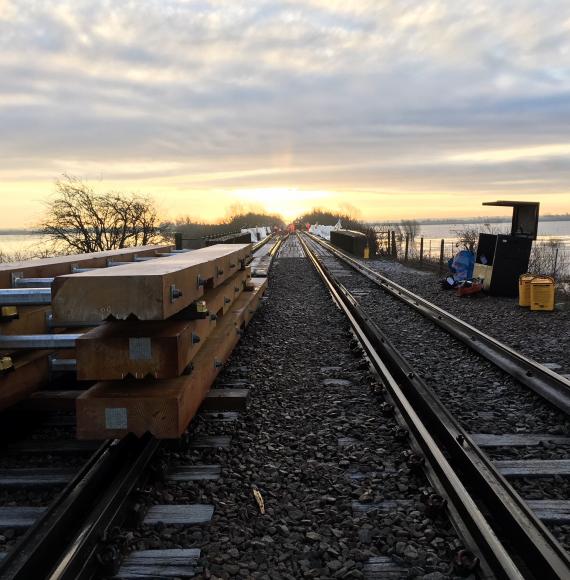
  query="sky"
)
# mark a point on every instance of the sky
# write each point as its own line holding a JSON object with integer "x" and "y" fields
{"x": 401, "y": 109}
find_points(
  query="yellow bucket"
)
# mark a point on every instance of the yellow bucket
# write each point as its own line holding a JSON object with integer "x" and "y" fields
{"x": 542, "y": 290}
{"x": 366, "y": 253}
{"x": 524, "y": 289}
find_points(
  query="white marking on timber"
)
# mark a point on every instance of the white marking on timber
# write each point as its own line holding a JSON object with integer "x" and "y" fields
{"x": 116, "y": 418}
{"x": 140, "y": 348}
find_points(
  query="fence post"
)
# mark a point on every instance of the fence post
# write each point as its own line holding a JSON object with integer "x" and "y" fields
{"x": 421, "y": 251}
{"x": 178, "y": 240}
{"x": 388, "y": 251}
{"x": 441, "y": 252}
{"x": 406, "y": 251}
{"x": 555, "y": 263}
{"x": 394, "y": 251}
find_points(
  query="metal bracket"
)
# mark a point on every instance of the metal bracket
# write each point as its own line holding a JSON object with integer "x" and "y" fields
{"x": 8, "y": 313}
{"x": 15, "y": 276}
{"x": 6, "y": 365}
{"x": 75, "y": 269}
{"x": 175, "y": 294}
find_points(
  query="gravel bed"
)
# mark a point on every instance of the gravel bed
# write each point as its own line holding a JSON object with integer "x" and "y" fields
{"x": 36, "y": 497}
{"x": 9, "y": 538}
{"x": 482, "y": 397}
{"x": 543, "y": 336}
{"x": 47, "y": 433}
{"x": 308, "y": 391}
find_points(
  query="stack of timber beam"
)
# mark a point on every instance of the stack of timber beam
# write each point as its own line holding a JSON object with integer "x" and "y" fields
{"x": 170, "y": 325}
{"x": 23, "y": 372}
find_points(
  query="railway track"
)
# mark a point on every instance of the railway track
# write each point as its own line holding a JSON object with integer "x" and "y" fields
{"x": 343, "y": 486}
{"x": 63, "y": 501}
{"x": 507, "y": 530}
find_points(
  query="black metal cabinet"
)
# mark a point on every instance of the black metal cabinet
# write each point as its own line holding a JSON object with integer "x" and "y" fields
{"x": 509, "y": 261}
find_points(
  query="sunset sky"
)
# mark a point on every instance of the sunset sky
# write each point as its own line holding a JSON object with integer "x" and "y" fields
{"x": 399, "y": 108}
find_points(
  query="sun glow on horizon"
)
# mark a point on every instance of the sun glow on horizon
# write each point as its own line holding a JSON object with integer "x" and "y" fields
{"x": 288, "y": 202}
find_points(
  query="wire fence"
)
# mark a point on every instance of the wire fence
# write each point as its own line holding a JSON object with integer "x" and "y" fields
{"x": 549, "y": 257}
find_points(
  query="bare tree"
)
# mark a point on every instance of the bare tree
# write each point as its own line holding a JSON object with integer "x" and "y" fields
{"x": 410, "y": 228}
{"x": 467, "y": 238}
{"x": 77, "y": 219}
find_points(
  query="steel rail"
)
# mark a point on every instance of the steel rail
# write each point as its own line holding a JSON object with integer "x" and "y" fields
{"x": 37, "y": 341}
{"x": 277, "y": 245}
{"x": 504, "y": 520}
{"x": 261, "y": 243}
{"x": 64, "y": 542}
{"x": 33, "y": 282}
{"x": 549, "y": 385}
{"x": 62, "y": 364}
{"x": 24, "y": 296}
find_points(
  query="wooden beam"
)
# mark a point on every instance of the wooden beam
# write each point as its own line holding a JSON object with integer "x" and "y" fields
{"x": 226, "y": 400}
{"x": 152, "y": 290}
{"x": 257, "y": 286}
{"x": 60, "y": 265}
{"x": 30, "y": 372}
{"x": 219, "y": 300}
{"x": 187, "y": 473}
{"x": 20, "y": 517}
{"x": 158, "y": 349}
{"x": 36, "y": 477}
{"x": 179, "y": 515}
{"x": 533, "y": 467}
{"x": 170, "y": 563}
{"x": 50, "y": 401}
{"x": 554, "y": 511}
{"x": 518, "y": 439}
{"x": 155, "y": 349}
{"x": 163, "y": 407}
{"x": 31, "y": 320}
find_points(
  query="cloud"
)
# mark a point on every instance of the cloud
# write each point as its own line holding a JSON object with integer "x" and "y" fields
{"x": 315, "y": 93}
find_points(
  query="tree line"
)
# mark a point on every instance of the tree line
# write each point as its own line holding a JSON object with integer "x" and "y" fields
{"x": 78, "y": 219}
